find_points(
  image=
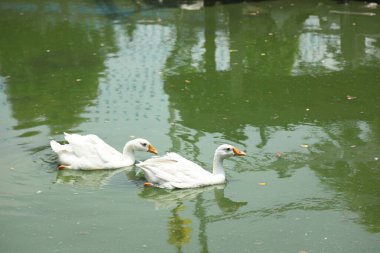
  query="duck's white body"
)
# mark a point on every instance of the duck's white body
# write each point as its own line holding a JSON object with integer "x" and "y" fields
{"x": 89, "y": 152}
{"x": 174, "y": 171}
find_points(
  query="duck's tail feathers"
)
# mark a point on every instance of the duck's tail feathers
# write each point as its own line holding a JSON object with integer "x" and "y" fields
{"x": 55, "y": 146}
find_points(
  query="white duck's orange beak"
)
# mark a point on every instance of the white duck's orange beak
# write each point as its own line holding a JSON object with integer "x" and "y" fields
{"x": 152, "y": 149}
{"x": 237, "y": 152}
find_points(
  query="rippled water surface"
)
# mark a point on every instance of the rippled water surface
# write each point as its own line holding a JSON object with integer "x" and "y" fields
{"x": 296, "y": 84}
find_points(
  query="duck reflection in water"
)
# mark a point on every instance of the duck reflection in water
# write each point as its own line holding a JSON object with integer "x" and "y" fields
{"x": 94, "y": 179}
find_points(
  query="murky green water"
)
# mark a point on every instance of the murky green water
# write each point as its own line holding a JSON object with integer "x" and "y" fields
{"x": 295, "y": 84}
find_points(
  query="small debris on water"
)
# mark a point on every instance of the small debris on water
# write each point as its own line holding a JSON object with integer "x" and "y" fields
{"x": 279, "y": 154}
{"x": 39, "y": 191}
{"x": 304, "y": 145}
{"x": 376, "y": 158}
{"x": 353, "y": 146}
{"x": 47, "y": 50}
{"x": 78, "y": 80}
{"x": 187, "y": 81}
{"x": 307, "y": 109}
{"x": 263, "y": 183}
{"x": 371, "y": 5}
{"x": 262, "y": 54}
{"x": 348, "y": 97}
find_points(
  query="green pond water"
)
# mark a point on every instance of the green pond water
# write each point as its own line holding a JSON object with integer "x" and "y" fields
{"x": 295, "y": 84}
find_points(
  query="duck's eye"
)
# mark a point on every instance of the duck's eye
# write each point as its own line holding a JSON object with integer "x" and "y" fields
{"x": 144, "y": 144}
{"x": 228, "y": 149}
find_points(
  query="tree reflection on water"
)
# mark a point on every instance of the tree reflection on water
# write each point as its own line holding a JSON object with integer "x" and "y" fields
{"x": 180, "y": 229}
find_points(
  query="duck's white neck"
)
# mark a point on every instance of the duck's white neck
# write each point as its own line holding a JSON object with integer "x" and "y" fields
{"x": 217, "y": 166}
{"x": 129, "y": 151}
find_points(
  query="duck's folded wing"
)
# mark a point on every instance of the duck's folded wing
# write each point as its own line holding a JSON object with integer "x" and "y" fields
{"x": 175, "y": 169}
{"x": 90, "y": 147}
{"x": 105, "y": 152}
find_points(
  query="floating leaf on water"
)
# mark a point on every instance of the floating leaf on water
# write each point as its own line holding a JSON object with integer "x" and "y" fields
{"x": 304, "y": 145}
{"x": 279, "y": 154}
{"x": 372, "y": 5}
{"x": 263, "y": 183}
{"x": 350, "y": 97}
{"x": 187, "y": 81}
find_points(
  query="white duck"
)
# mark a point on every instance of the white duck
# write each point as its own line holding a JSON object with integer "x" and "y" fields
{"x": 173, "y": 171}
{"x": 89, "y": 152}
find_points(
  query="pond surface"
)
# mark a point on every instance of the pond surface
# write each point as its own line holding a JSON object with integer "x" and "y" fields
{"x": 296, "y": 84}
